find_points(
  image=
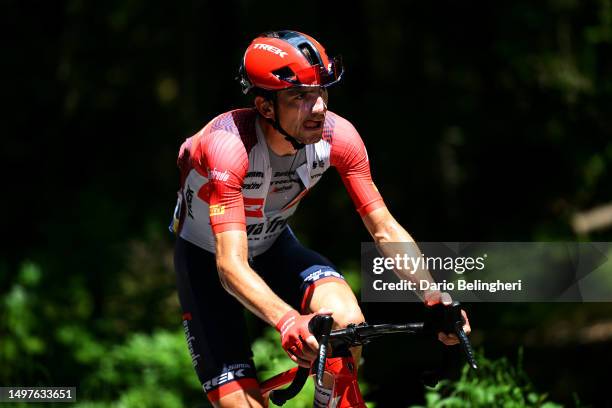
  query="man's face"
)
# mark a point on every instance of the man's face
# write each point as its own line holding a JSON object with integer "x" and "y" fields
{"x": 301, "y": 112}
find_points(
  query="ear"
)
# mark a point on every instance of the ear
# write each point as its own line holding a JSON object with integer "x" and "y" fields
{"x": 265, "y": 107}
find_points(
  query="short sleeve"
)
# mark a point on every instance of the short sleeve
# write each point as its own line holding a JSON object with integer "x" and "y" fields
{"x": 349, "y": 156}
{"x": 225, "y": 160}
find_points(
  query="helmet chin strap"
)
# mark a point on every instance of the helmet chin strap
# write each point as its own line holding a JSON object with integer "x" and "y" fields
{"x": 294, "y": 142}
{"x": 276, "y": 124}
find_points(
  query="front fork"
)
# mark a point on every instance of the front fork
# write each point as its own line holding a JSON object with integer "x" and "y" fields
{"x": 345, "y": 393}
{"x": 340, "y": 385}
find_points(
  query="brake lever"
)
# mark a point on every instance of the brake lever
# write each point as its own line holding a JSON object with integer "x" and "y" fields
{"x": 456, "y": 321}
{"x": 320, "y": 326}
{"x": 448, "y": 319}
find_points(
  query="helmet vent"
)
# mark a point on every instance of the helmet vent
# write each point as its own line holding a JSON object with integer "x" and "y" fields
{"x": 309, "y": 53}
{"x": 284, "y": 73}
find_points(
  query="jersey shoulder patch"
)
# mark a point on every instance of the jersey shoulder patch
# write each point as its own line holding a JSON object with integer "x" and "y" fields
{"x": 328, "y": 126}
{"x": 239, "y": 122}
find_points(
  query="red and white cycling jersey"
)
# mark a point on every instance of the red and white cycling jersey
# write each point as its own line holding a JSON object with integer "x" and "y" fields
{"x": 226, "y": 173}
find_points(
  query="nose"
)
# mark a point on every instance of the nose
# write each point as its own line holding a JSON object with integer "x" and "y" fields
{"x": 319, "y": 106}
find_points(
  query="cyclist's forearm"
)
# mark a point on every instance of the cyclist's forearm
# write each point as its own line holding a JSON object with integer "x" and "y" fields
{"x": 395, "y": 241}
{"x": 241, "y": 281}
{"x": 247, "y": 286}
{"x": 397, "y": 234}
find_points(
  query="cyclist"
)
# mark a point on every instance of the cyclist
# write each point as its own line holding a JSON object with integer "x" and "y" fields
{"x": 242, "y": 176}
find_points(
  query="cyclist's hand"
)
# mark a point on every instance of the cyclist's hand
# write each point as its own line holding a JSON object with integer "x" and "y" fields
{"x": 301, "y": 346}
{"x": 435, "y": 297}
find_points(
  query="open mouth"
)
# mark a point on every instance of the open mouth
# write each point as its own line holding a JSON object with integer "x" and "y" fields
{"x": 313, "y": 124}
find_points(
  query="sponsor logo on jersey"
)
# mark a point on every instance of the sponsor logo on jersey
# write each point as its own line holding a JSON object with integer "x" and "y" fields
{"x": 280, "y": 189}
{"x": 226, "y": 377}
{"x": 216, "y": 209}
{"x": 215, "y": 174}
{"x": 189, "y": 198}
{"x": 255, "y": 229}
{"x": 318, "y": 163}
{"x": 273, "y": 226}
{"x": 284, "y": 177}
{"x": 251, "y": 186}
{"x": 320, "y": 274}
{"x": 270, "y": 48}
{"x": 195, "y": 358}
{"x": 284, "y": 181}
{"x": 284, "y": 173}
{"x": 255, "y": 174}
{"x": 253, "y": 207}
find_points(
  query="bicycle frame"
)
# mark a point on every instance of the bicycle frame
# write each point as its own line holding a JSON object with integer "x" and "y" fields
{"x": 345, "y": 392}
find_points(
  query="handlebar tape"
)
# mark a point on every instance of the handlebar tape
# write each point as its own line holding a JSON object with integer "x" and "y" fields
{"x": 321, "y": 326}
{"x": 279, "y": 397}
{"x": 467, "y": 346}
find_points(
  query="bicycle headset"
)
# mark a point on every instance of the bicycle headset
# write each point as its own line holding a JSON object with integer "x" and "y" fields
{"x": 277, "y": 60}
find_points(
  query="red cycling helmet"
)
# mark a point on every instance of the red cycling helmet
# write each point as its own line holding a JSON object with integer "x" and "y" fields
{"x": 278, "y": 60}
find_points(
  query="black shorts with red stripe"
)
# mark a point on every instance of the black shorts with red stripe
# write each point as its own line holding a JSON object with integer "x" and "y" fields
{"x": 213, "y": 320}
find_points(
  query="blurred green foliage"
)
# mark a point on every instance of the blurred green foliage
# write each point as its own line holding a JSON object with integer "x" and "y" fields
{"x": 498, "y": 383}
{"x": 21, "y": 341}
{"x": 145, "y": 371}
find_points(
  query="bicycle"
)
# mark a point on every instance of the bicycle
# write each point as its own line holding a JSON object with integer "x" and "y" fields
{"x": 345, "y": 390}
